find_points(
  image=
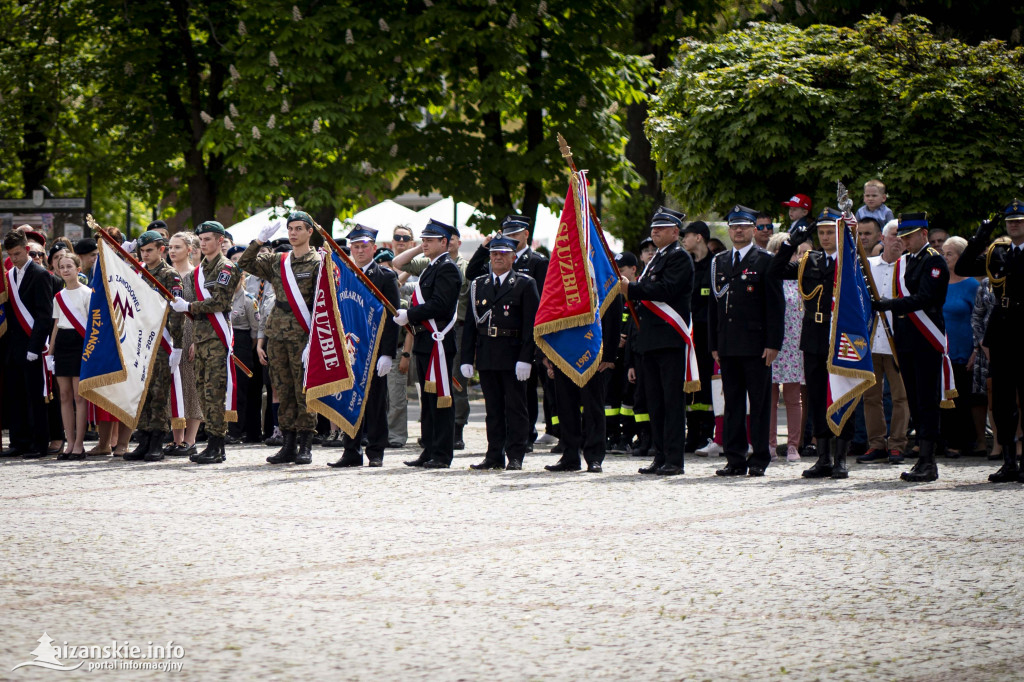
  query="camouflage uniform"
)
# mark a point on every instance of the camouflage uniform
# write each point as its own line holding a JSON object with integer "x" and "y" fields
{"x": 285, "y": 336}
{"x": 156, "y": 413}
{"x": 221, "y": 277}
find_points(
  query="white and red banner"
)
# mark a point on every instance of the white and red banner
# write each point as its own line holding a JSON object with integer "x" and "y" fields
{"x": 329, "y": 364}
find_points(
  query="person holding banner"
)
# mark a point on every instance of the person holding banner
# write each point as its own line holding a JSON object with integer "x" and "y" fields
{"x": 745, "y": 326}
{"x": 499, "y": 341}
{"x": 374, "y": 424}
{"x": 921, "y": 279}
{"x": 665, "y": 339}
{"x": 215, "y": 280}
{"x": 1003, "y": 263}
{"x": 165, "y": 383}
{"x": 70, "y": 312}
{"x": 815, "y": 274}
{"x": 433, "y": 312}
{"x": 293, "y": 278}
{"x": 29, "y": 314}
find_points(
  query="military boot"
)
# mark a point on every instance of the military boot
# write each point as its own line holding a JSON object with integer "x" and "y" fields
{"x": 841, "y": 446}
{"x": 287, "y": 452}
{"x": 823, "y": 467}
{"x": 155, "y": 453}
{"x": 139, "y": 453}
{"x": 305, "y": 454}
{"x": 925, "y": 470}
{"x": 214, "y": 452}
{"x": 1008, "y": 473}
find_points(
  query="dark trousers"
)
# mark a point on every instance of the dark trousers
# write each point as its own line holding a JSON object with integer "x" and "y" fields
{"x": 921, "y": 366}
{"x": 746, "y": 378}
{"x": 375, "y": 421}
{"x": 958, "y": 423}
{"x": 572, "y": 425}
{"x": 664, "y": 377}
{"x": 249, "y": 392}
{"x": 532, "y": 401}
{"x": 508, "y": 426}
{"x": 550, "y": 410}
{"x": 1007, "y": 372}
{"x": 614, "y": 392}
{"x": 816, "y": 376}
{"x": 26, "y": 407}
{"x": 437, "y": 423}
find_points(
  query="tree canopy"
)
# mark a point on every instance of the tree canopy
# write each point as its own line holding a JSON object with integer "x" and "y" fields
{"x": 772, "y": 109}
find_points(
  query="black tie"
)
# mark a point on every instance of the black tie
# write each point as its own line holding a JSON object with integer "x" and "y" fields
{"x": 736, "y": 259}
{"x": 15, "y": 275}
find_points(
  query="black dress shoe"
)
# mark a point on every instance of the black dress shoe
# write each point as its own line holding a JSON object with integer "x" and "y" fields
{"x": 418, "y": 462}
{"x": 730, "y": 470}
{"x": 11, "y": 452}
{"x": 651, "y": 468}
{"x": 375, "y": 462}
{"x": 487, "y": 464}
{"x": 669, "y": 470}
{"x": 562, "y": 465}
{"x": 346, "y": 462}
{"x": 594, "y": 469}
{"x": 514, "y": 465}
{"x": 435, "y": 464}
{"x": 395, "y": 445}
{"x": 755, "y": 471}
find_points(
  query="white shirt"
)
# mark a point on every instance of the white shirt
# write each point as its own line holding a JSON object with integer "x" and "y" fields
{"x": 20, "y": 277}
{"x": 742, "y": 252}
{"x": 521, "y": 251}
{"x": 883, "y": 274}
{"x": 78, "y": 300}
{"x": 501, "y": 278}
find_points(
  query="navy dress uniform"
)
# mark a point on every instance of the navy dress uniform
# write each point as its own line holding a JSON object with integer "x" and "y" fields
{"x": 924, "y": 277}
{"x": 499, "y": 341}
{"x": 745, "y": 319}
{"x": 375, "y": 416}
{"x": 815, "y": 275}
{"x": 527, "y": 262}
{"x": 666, "y": 281}
{"x": 1003, "y": 263}
{"x": 437, "y": 300}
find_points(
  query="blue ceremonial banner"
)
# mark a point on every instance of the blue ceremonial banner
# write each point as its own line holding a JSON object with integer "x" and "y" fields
{"x": 573, "y": 341}
{"x": 362, "y": 318}
{"x": 850, "y": 371}
{"x": 122, "y": 334}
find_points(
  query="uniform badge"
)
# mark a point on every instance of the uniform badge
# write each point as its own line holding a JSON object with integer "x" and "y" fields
{"x": 177, "y": 290}
{"x": 743, "y": 276}
{"x": 935, "y": 273}
{"x": 750, "y": 287}
{"x": 303, "y": 275}
{"x": 483, "y": 302}
{"x": 224, "y": 277}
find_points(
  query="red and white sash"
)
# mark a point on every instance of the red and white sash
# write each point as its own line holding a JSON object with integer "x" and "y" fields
{"x": 227, "y": 336}
{"x": 26, "y": 321}
{"x": 931, "y": 332}
{"x": 437, "y": 379}
{"x": 177, "y": 397}
{"x": 72, "y": 315}
{"x": 291, "y": 289}
{"x": 685, "y": 330}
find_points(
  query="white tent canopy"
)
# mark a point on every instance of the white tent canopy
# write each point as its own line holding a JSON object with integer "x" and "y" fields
{"x": 385, "y": 217}
{"x": 244, "y": 231}
{"x": 450, "y": 213}
{"x": 546, "y": 227}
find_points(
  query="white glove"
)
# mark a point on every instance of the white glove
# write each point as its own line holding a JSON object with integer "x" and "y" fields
{"x": 175, "y": 359}
{"x": 402, "y": 318}
{"x": 466, "y": 370}
{"x": 129, "y": 246}
{"x": 51, "y": 364}
{"x": 269, "y": 231}
{"x": 179, "y": 305}
{"x": 523, "y": 370}
{"x": 31, "y": 357}
{"x": 305, "y": 355}
{"x": 383, "y": 365}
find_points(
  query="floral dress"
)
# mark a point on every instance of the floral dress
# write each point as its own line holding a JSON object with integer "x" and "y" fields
{"x": 984, "y": 301}
{"x": 788, "y": 367}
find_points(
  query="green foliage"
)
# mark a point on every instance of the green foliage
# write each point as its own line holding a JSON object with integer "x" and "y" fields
{"x": 770, "y": 110}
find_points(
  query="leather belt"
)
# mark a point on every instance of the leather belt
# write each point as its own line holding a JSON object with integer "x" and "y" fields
{"x": 495, "y": 332}
{"x": 1007, "y": 302}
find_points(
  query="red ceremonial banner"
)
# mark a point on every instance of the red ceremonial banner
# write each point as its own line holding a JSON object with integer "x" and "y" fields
{"x": 568, "y": 298}
{"x": 329, "y": 367}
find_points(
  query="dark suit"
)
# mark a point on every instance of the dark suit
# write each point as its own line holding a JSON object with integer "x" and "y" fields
{"x": 667, "y": 279}
{"x": 745, "y": 319}
{"x": 816, "y": 276}
{"x": 375, "y": 414}
{"x": 587, "y": 432}
{"x": 1005, "y": 270}
{"x": 24, "y": 383}
{"x": 439, "y": 285}
{"x": 927, "y": 278}
{"x": 498, "y": 334}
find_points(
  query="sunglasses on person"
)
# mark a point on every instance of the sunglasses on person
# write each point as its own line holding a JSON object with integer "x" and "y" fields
{"x": 403, "y": 237}
{"x": 768, "y": 227}
{"x": 37, "y": 255}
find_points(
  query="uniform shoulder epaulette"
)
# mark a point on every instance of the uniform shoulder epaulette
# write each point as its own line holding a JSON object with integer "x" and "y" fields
{"x": 931, "y": 251}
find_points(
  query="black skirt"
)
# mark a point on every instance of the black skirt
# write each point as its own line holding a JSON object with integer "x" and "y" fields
{"x": 67, "y": 353}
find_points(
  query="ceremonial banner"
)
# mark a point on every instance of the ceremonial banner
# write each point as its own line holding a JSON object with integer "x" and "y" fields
{"x": 347, "y": 323}
{"x": 126, "y": 321}
{"x": 579, "y": 286}
{"x": 850, "y": 371}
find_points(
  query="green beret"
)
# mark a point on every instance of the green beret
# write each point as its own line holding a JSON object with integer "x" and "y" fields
{"x": 211, "y": 226}
{"x": 149, "y": 237}
{"x": 301, "y": 215}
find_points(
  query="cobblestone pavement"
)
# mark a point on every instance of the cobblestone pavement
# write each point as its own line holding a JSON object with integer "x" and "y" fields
{"x": 396, "y": 573}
